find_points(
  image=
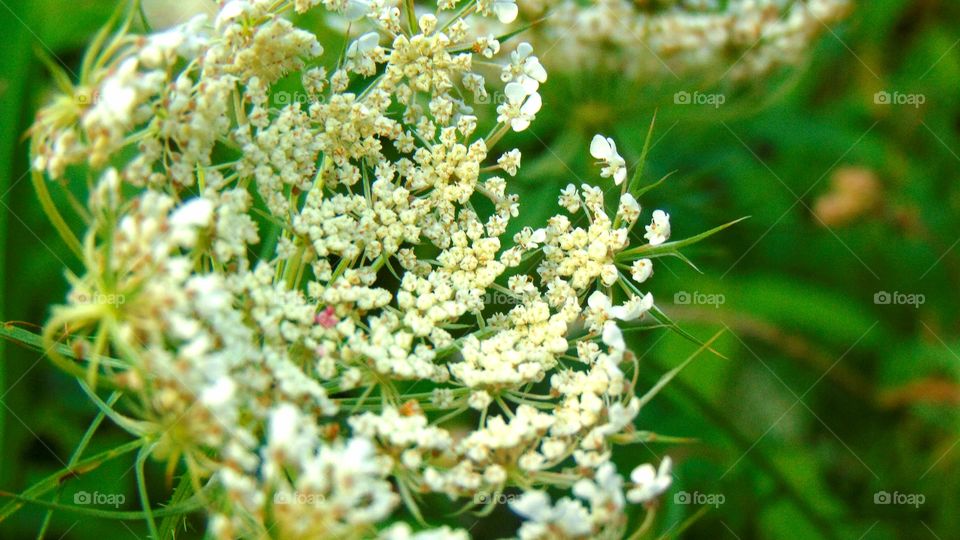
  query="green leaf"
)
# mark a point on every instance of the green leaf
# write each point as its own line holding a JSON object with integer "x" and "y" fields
{"x": 647, "y": 251}
{"x": 638, "y": 173}
{"x": 642, "y": 191}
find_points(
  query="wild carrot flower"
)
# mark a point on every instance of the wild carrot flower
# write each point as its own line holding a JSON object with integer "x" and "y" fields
{"x": 307, "y": 324}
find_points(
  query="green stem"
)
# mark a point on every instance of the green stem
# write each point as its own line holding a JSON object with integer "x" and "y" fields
{"x": 142, "y": 488}
{"x": 50, "y": 209}
{"x": 60, "y": 477}
{"x": 84, "y": 441}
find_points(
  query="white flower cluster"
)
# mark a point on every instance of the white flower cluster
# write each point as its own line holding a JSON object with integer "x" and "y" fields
{"x": 292, "y": 274}
{"x": 737, "y": 38}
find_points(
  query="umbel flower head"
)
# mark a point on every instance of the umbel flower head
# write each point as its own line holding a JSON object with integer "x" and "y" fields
{"x": 305, "y": 332}
{"x": 736, "y": 39}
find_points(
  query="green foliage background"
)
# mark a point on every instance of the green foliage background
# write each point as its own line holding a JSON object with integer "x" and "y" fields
{"x": 826, "y": 398}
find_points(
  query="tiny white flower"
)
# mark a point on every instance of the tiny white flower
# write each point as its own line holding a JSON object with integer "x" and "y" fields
{"x": 613, "y": 337}
{"x": 633, "y": 308}
{"x": 619, "y": 416}
{"x": 533, "y": 505}
{"x": 658, "y": 231}
{"x": 604, "y": 149}
{"x": 609, "y": 274}
{"x": 363, "y": 45}
{"x": 505, "y": 10}
{"x": 526, "y": 67}
{"x": 570, "y": 199}
{"x": 569, "y": 516}
{"x": 650, "y": 482}
{"x": 539, "y": 236}
{"x": 196, "y": 213}
{"x": 219, "y": 393}
{"x": 284, "y": 421}
{"x": 356, "y": 9}
{"x": 191, "y": 216}
{"x": 231, "y": 10}
{"x": 479, "y": 400}
{"x": 629, "y": 208}
{"x": 599, "y": 301}
{"x": 118, "y": 97}
{"x": 641, "y": 270}
{"x": 521, "y": 107}
{"x": 606, "y": 488}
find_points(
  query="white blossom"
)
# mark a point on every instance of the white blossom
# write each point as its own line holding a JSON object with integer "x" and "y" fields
{"x": 648, "y": 482}
{"x": 641, "y": 270}
{"x": 604, "y": 149}
{"x": 521, "y": 106}
{"x": 291, "y": 266}
{"x": 658, "y": 231}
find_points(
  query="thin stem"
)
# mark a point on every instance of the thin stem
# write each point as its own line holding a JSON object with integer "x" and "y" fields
{"x": 142, "y": 488}
{"x": 84, "y": 441}
{"x": 50, "y": 209}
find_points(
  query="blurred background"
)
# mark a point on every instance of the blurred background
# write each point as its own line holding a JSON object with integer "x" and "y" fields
{"x": 835, "y": 412}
